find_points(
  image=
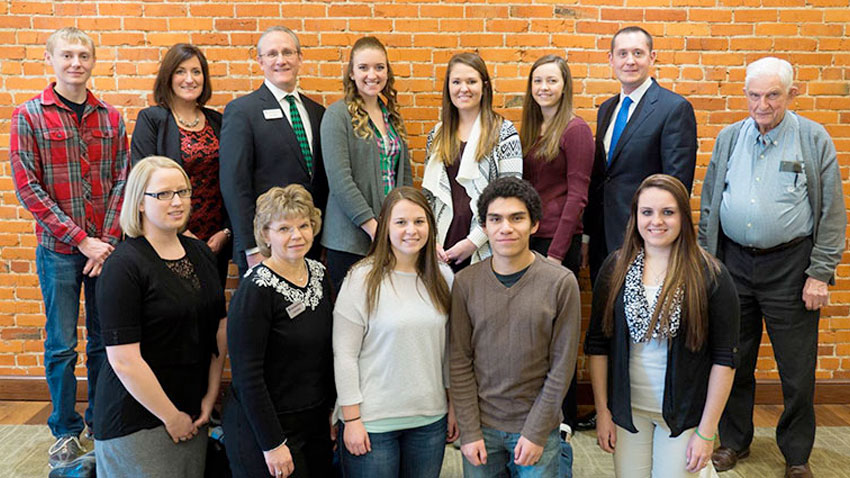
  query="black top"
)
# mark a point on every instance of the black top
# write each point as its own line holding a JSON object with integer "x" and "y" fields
{"x": 281, "y": 358}
{"x": 77, "y": 108}
{"x": 686, "y": 380}
{"x": 141, "y": 300}
{"x": 509, "y": 280}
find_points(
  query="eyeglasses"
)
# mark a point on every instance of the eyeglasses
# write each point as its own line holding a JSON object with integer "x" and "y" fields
{"x": 169, "y": 195}
{"x": 285, "y": 53}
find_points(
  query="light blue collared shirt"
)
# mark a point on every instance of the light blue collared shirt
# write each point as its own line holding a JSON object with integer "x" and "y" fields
{"x": 765, "y": 201}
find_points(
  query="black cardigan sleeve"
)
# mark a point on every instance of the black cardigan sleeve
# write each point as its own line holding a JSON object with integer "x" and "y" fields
{"x": 724, "y": 314}
{"x": 595, "y": 342}
{"x": 120, "y": 298}
{"x": 248, "y": 327}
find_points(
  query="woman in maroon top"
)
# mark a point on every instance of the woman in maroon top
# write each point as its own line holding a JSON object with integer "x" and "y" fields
{"x": 559, "y": 156}
{"x": 181, "y": 128}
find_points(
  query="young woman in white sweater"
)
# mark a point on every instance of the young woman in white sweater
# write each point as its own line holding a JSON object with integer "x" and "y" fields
{"x": 389, "y": 341}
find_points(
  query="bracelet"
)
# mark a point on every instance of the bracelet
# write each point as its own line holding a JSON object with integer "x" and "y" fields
{"x": 351, "y": 419}
{"x": 704, "y": 438}
{"x": 227, "y": 232}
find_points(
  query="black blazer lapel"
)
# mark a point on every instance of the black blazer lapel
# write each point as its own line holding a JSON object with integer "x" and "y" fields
{"x": 603, "y": 120}
{"x": 642, "y": 112}
{"x": 606, "y": 111}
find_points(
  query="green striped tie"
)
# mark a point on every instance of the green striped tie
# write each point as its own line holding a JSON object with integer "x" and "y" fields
{"x": 298, "y": 127}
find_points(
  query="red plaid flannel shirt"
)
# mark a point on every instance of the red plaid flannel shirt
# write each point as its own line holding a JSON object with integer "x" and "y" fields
{"x": 69, "y": 175}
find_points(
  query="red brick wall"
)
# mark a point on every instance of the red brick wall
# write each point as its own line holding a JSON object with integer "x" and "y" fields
{"x": 703, "y": 47}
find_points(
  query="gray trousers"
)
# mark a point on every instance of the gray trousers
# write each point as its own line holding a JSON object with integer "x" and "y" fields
{"x": 152, "y": 454}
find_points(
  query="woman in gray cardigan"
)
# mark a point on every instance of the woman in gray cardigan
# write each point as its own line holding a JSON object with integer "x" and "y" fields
{"x": 366, "y": 156}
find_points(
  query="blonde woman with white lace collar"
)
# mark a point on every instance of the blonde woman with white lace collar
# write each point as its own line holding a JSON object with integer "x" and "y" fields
{"x": 471, "y": 146}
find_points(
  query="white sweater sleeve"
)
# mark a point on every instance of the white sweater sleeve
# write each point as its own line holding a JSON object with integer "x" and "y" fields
{"x": 349, "y": 329}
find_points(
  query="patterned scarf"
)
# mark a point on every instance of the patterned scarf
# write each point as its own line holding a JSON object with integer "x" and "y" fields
{"x": 638, "y": 310}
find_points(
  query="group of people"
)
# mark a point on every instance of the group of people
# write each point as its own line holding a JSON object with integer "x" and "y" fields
{"x": 419, "y": 317}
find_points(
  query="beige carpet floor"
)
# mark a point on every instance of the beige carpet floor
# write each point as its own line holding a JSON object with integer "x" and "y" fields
{"x": 23, "y": 454}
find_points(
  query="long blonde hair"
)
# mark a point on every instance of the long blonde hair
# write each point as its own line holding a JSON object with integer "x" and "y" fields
{"x": 354, "y": 102}
{"x": 686, "y": 269}
{"x": 546, "y": 142}
{"x": 381, "y": 260}
{"x": 446, "y": 142}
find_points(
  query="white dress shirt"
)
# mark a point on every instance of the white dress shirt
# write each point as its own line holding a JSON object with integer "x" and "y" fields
{"x": 280, "y": 96}
{"x": 636, "y": 96}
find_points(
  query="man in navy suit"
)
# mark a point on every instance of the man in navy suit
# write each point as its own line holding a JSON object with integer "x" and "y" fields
{"x": 270, "y": 138}
{"x": 644, "y": 130}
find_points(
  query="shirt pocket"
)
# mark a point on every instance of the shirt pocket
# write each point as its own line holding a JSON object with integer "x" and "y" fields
{"x": 55, "y": 135}
{"x": 792, "y": 185}
{"x": 59, "y": 146}
{"x": 103, "y": 136}
{"x": 105, "y": 132}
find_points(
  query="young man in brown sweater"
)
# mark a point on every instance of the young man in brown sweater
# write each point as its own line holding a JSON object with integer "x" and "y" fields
{"x": 514, "y": 338}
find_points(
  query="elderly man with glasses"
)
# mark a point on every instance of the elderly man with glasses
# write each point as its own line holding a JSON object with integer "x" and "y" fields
{"x": 772, "y": 210}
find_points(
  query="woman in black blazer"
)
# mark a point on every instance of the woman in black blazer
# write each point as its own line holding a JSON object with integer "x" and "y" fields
{"x": 181, "y": 128}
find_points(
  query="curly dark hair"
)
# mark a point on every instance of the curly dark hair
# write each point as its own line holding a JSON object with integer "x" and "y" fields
{"x": 510, "y": 187}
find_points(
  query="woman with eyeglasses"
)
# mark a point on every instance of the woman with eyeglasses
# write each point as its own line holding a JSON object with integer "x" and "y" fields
{"x": 364, "y": 143}
{"x": 180, "y": 127}
{"x": 277, "y": 415}
{"x": 471, "y": 146}
{"x": 163, "y": 324}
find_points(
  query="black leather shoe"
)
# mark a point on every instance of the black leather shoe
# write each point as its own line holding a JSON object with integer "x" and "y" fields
{"x": 586, "y": 422}
{"x": 725, "y": 459}
{"x": 798, "y": 471}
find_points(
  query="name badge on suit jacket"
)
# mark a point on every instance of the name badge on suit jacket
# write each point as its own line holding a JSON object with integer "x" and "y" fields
{"x": 274, "y": 113}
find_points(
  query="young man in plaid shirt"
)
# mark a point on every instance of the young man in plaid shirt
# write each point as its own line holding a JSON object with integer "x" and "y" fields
{"x": 69, "y": 164}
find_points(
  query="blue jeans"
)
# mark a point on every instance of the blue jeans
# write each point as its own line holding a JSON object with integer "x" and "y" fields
{"x": 61, "y": 277}
{"x": 565, "y": 464}
{"x": 500, "y": 457}
{"x": 411, "y": 453}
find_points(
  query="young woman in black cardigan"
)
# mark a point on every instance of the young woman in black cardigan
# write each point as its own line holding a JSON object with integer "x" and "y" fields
{"x": 162, "y": 317}
{"x": 180, "y": 127}
{"x": 662, "y": 340}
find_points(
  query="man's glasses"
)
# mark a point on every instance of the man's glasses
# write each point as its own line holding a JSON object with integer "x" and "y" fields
{"x": 169, "y": 195}
{"x": 285, "y": 53}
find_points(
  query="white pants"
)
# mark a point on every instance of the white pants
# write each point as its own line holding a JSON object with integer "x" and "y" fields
{"x": 651, "y": 452}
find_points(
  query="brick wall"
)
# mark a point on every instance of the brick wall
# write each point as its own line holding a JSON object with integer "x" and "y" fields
{"x": 703, "y": 47}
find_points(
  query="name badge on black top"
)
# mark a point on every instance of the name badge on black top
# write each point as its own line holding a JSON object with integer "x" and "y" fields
{"x": 791, "y": 167}
{"x": 295, "y": 309}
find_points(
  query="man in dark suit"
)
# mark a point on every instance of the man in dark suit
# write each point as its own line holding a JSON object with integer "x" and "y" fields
{"x": 270, "y": 138}
{"x": 644, "y": 130}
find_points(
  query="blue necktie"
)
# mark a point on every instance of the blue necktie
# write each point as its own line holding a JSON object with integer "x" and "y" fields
{"x": 619, "y": 126}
